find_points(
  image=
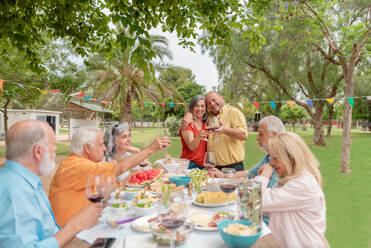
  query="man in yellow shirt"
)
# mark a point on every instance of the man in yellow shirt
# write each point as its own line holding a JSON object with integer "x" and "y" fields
{"x": 67, "y": 190}
{"x": 228, "y": 144}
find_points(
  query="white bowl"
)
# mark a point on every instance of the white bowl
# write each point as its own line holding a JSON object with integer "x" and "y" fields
{"x": 129, "y": 195}
{"x": 173, "y": 165}
{"x": 144, "y": 211}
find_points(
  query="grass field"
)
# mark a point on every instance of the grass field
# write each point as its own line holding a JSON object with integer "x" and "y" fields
{"x": 348, "y": 197}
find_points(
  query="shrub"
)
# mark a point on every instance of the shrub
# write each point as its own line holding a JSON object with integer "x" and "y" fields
{"x": 173, "y": 124}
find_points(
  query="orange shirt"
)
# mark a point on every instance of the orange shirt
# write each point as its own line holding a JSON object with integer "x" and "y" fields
{"x": 197, "y": 155}
{"x": 67, "y": 189}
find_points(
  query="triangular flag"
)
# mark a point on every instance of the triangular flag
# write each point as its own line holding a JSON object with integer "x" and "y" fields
{"x": 105, "y": 102}
{"x": 42, "y": 91}
{"x": 20, "y": 85}
{"x": 256, "y": 104}
{"x": 92, "y": 99}
{"x": 146, "y": 103}
{"x": 140, "y": 103}
{"x": 351, "y": 101}
{"x": 330, "y": 100}
{"x": 81, "y": 95}
{"x": 1, "y": 86}
{"x": 240, "y": 104}
{"x": 310, "y": 102}
{"x": 54, "y": 91}
{"x": 162, "y": 104}
{"x": 273, "y": 104}
{"x": 172, "y": 105}
{"x": 98, "y": 100}
{"x": 87, "y": 98}
{"x": 291, "y": 103}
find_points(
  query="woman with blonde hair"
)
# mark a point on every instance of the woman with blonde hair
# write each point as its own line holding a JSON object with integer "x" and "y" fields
{"x": 296, "y": 206}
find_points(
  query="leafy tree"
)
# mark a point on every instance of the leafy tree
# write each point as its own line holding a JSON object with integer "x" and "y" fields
{"x": 292, "y": 115}
{"x": 87, "y": 23}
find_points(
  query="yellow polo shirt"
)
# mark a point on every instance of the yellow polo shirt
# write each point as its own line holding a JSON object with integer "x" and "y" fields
{"x": 228, "y": 150}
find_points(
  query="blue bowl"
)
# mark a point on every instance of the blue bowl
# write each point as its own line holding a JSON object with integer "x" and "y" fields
{"x": 180, "y": 180}
{"x": 236, "y": 241}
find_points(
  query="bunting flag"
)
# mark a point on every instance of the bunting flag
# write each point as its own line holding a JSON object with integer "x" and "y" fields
{"x": 81, "y": 95}
{"x": 146, "y": 103}
{"x": 20, "y": 85}
{"x": 273, "y": 104}
{"x": 42, "y": 91}
{"x": 330, "y": 100}
{"x": 240, "y": 104}
{"x": 291, "y": 103}
{"x": 87, "y": 98}
{"x": 351, "y": 101}
{"x": 162, "y": 104}
{"x": 1, "y": 86}
{"x": 93, "y": 99}
{"x": 256, "y": 104}
{"x": 310, "y": 102}
{"x": 140, "y": 103}
{"x": 172, "y": 105}
{"x": 105, "y": 102}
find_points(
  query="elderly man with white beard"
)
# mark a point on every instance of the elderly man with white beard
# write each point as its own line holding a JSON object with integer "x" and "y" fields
{"x": 27, "y": 218}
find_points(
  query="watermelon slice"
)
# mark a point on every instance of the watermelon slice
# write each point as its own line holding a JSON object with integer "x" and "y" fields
{"x": 144, "y": 177}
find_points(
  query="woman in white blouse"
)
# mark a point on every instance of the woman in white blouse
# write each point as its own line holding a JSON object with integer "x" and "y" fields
{"x": 296, "y": 206}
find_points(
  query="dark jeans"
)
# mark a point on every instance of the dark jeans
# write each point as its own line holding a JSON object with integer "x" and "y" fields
{"x": 238, "y": 166}
{"x": 193, "y": 165}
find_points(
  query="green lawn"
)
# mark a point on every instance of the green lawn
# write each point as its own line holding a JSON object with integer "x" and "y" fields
{"x": 348, "y": 197}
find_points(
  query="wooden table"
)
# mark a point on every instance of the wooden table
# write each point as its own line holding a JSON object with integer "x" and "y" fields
{"x": 268, "y": 241}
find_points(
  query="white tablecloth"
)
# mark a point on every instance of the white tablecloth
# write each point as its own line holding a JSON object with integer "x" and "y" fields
{"x": 127, "y": 237}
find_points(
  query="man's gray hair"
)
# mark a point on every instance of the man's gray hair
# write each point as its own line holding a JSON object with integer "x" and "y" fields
{"x": 81, "y": 137}
{"x": 19, "y": 145}
{"x": 273, "y": 124}
{"x": 110, "y": 139}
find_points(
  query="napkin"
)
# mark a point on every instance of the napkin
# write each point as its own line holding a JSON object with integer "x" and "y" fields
{"x": 139, "y": 241}
{"x": 100, "y": 230}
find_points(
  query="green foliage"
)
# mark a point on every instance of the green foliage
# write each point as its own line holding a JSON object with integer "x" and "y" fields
{"x": 293, "y": 115}
{"x": 173, "y": 124}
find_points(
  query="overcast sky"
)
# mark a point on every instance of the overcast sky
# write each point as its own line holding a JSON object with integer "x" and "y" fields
{"x": 201, "y": 65}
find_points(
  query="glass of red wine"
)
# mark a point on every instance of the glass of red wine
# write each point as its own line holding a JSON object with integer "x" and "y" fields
{"x": 228, "y": 183}
{"x": 143, "y": 164}
{"x": 212, "y": 123}
{"x": 173, "y": 212}
{"x": 95, "y": 188}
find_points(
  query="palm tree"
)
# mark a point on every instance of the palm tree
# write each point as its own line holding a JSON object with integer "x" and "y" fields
{"x": 125, "y": 76}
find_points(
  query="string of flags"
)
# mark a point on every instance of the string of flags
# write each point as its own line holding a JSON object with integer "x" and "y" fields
{"x": 81, "y": 96}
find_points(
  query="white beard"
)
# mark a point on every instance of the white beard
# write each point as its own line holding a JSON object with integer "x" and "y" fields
{"x": 47, "y": 165}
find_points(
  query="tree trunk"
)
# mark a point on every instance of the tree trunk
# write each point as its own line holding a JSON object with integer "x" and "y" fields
{"x": 5, "y": 113}
{"x": 346, "y": 139}
{"x": 126, "y": 109}
{"x": 319, "y": 138}
{"x": 304, "y": 126}
{"x": 331, "y": 114}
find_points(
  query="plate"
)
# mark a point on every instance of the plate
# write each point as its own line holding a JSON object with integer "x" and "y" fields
{"x": 211, "y": 205}
{"x": 139, "y": 186}
{"x": 204, "y": 217}
{"x": 141, "y": 224}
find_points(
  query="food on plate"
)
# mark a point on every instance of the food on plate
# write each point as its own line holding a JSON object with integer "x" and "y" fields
{"x": 143, "y": 200}
{"x": 120, "y": 205}
{"x": 169, "y": 161}
{"x": 143, "y": 177}
{"x": 204, "y": 219}
{"x": 241, "y": 230}
{"x": 215, "y": 197}
{"x": 131, "y": 189}
{"x": 161, "y": 235}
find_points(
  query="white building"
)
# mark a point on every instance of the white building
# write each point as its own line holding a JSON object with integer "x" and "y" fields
{"x": 15, "y": 115}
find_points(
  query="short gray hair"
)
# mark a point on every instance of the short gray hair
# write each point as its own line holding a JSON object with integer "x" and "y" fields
{"x": 110, "y": 139}
{"x": 273, "y": 124}
{"x": 19, "y": 145}
{"x": 81, "y": 137}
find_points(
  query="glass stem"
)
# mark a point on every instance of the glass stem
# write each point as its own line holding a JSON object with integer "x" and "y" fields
{"x": 172, "y": 239}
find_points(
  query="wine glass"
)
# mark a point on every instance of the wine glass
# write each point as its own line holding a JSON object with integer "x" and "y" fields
{"x": 173, "y": 212}
{"x": 209, "y": 160}
{"x": 228, "y": 183}
{"x": 212, "y": 123}
{"x": 143, "y": 164}
{"x": 95, "y": 188}
{"x": 111, "y": 185}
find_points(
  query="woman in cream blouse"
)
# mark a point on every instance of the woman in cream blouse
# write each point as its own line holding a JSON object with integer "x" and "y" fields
{"x": 296, "y": 206}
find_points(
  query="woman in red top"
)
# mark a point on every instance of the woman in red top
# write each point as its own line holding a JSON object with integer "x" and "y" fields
{"x": 192, "y": 137}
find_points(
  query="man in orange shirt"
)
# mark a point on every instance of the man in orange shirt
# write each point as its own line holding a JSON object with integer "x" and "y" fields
{"x": 67, "y": 190}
